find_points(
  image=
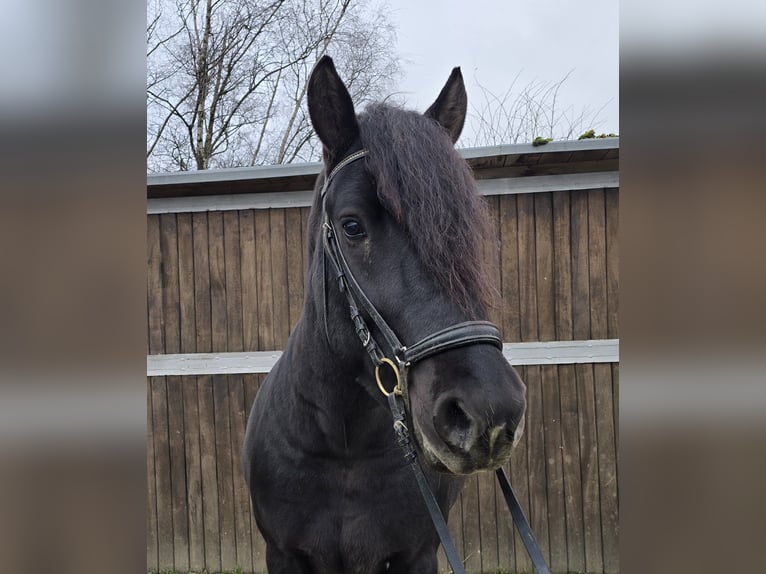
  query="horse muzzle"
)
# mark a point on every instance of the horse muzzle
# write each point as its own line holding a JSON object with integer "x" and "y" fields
{"x": 463, "y": 441}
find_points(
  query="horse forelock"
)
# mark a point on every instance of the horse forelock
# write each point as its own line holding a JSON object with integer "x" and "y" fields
{"x": 430, "y": 191}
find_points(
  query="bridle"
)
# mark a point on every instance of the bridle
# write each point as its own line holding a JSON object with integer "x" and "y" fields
{"x": 399, "y": 359}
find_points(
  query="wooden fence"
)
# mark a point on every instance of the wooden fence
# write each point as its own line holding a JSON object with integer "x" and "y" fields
{"x": 231, "y": 279}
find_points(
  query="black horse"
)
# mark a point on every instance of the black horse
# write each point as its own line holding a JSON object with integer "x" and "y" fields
{"x": 330, "y": 489}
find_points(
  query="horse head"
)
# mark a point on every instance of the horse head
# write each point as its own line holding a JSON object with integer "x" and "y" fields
{"x": 409, "y": 223}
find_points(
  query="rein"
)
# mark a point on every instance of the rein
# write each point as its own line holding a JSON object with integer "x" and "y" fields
{"x": 398, "y": 360}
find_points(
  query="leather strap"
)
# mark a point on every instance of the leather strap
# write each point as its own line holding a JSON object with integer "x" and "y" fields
{"x": 410, "y": 455}
{"x": 467, "y": 333}
{"x": 522, "y": 524}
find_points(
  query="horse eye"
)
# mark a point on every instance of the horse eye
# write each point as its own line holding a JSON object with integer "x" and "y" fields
{"x": 353, "y": 229}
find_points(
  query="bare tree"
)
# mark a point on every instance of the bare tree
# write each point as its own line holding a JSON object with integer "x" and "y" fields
{"x": 520, "y": 115}
{"x": 226, "y": 79}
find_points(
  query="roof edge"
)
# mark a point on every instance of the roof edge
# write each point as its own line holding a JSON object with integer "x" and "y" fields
{"x": 313, "y": 168}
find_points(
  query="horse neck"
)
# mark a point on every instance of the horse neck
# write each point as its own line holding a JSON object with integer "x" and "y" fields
{"x": 327, "y": 391}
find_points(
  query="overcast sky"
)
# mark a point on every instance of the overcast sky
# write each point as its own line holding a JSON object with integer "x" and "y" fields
{"x": 494, "y": 40}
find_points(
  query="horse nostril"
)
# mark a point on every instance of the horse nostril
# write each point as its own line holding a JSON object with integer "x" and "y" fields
{"x": 454, "y": 424}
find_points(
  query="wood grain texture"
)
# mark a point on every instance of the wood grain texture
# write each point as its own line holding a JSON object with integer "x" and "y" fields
{"x": 236, "y": 390}
{"x": 280, "y": 291}
{"x": 155, "y": 345}
{"x": 171, "y": 310}
{"x": 469, "y": 499}
{"x": 294, "y": 255}
{"x": 249, "y": 279}
{"x": 205, "y": 406}
{"x": 488, "y": 522}
{"x": 190, "y": 399}
{"x": 152, "y": 534}
{"x": 222, "y": 428}
{"x": 509, "y": 275}
{"x": 612, "y": 264}
{"x": 161, "y": 447}
{"x": 607, "y": 466}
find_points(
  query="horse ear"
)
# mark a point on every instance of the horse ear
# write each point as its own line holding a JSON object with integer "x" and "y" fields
{"x": 450, "y": 107}
{"x": 331, "y": 110}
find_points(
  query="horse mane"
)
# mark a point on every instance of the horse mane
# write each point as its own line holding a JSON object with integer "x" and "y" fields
{"x": 430, "y": 191}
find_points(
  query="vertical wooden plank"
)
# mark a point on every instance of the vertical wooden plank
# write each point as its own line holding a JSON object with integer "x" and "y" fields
{"x": 527, "y": 267}
{"x": 171, "y": 308}
{"x": 189, "y": 390}
{"x": 492, "y": 256}
{"x": 222, "y": 427}
{"x": 570, "y": 448}
{"x": 562, "y": 279}
{"x": 597, "y": 263}
{"x": 585, "y": 385}
{"x": 249, "y": 281}
{"x": 471, "y": 525}
{"x": 612, "y": 263}
{"x": 155, "y": 345}
{"x": 528, "y": 293}
{"x": 455, "y": 525}
{"x": 159, "y": 400}
{"x": 217, "y": 261}
{"x": 278, "y": 244}
{"x": 295, "y": 249}
{"x": 538, "y": 506}
{"x": 205, "y": 393}
{"x": 488, "y": 522}
{"x": 152, "y": 562}
{"x": 233, "y": 281}
{"x": 155, "y": 323}
{"x": 223, "y": 449}
{"x": 165, "y": 546}
{"x": 250, "y": 343}
{"x": 263, "y": 280}
{"x": 589, "y": 468}
{"x": 570, "y": 432}
{"x": 186, "y": 284}
{"x": 543, "y": 230}
{"x": 612, "y": 292}
{"x": 580, "y": 270}
{"x": 509, "y": 273}
{"x": 551, "y": 408}
{"x": 236, "y": 390}
{"x": 607, "y": 468}
{"x": 202, "y": 314}
{"x": 241, "y": 493}
{"x": 616, "y": 406}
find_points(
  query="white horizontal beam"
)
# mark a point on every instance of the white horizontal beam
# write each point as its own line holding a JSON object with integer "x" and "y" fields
{"x": 546, "y": 183}
{"x": 286, "y": 199}
{"x": 260, "y": 362}
{"x": 563, "y": 352}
